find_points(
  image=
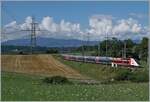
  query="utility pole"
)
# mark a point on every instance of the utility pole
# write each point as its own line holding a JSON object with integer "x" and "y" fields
{"x": 82, "y": 48}
{"x": 106, "y": 48}
{"x": 83, "y": 53}
{"x": 107, "y": 38}
{"x": 124, "y": 50}
{"x": 106, "y": 43}
{"x": 88, "y": 38}
{"x": 98, "y": 50}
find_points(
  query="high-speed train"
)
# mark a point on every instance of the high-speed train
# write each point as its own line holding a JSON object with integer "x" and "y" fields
{"x": 128, "y": 62}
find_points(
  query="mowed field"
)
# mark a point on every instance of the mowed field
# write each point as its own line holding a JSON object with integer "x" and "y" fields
{"x": 37, "y": 64}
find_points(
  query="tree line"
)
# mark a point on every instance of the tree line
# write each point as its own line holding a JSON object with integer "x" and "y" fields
{"x": 115, "y": 48}
{"x": 118, "y": 48}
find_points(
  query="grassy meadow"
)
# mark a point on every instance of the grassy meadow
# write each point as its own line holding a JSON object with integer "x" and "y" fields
{"x": 23, "y": 87}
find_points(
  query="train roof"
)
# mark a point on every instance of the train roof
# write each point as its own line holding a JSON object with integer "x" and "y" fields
{"x": 86, "y": 56}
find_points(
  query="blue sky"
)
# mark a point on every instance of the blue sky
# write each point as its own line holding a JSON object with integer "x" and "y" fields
{"x": 74, "y": 11}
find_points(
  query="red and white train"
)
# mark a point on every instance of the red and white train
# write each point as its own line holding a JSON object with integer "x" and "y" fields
{"x": 128, "y": 62}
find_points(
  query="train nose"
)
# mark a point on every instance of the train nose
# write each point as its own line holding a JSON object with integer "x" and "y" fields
{"x": 133, "y": 62}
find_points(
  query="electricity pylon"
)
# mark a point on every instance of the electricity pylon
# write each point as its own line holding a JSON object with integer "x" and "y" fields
{"x": 33, "y": 30}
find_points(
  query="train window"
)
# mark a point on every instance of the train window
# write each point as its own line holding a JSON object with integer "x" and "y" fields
{"x": 90, "y": 59}
{"x": 80, "y": 58}
{"x": 118, "y": 61}
{"x": 72, "y": 58}
{"x": 126, "y": 62}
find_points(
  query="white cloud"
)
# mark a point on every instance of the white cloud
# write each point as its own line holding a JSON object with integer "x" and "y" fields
{"x": 127, "y": 26}
{"x": 138, "y": 15}
{"x": 26, "y": 24}
{"x": 99, "y": 26}
{"x": 13, "y": 30}
{"x": 67, "y": 27}
{"x": 47, "y": 25}
{"x": 10, "y": 27}
{"x": 124, "y": 28}
{"x": 11, "y": 24}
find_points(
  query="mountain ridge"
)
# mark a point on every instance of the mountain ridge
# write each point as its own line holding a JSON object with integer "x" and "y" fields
{"x": 49, "y": 42}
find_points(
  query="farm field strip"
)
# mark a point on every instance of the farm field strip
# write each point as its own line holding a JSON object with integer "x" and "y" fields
{"x": 37, "y": 64}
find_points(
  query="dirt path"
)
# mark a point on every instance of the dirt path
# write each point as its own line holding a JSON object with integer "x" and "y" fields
{"x": 37, "y": 64}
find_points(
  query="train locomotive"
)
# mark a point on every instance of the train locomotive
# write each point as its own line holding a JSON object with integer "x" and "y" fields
{"x": 127, "y": 62}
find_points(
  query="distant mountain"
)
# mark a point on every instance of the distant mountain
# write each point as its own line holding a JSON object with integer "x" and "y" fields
{"x": 49, "y": 42}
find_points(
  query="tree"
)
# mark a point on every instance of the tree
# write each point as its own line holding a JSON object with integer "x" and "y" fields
{"x": 144, "y": 49}
{"x": 129, "y": 45}
{"x": 49, "y": 51}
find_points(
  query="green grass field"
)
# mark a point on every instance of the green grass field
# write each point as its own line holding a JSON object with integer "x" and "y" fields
{"x": 23, "y": 87}
{"x": 96, "y": 71}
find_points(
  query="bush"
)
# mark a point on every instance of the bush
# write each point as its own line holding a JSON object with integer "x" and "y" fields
{"x": 136, "y": 76}
{"x": 123, "y": 74}
{"x": 140, "y": 76}
{"x": 50, "y": 51}
{"x": 56, "y": 80}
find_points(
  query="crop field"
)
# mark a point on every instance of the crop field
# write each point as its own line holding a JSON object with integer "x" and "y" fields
{"x": 37, "y": 64}
{"x": 24, "y": 87}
